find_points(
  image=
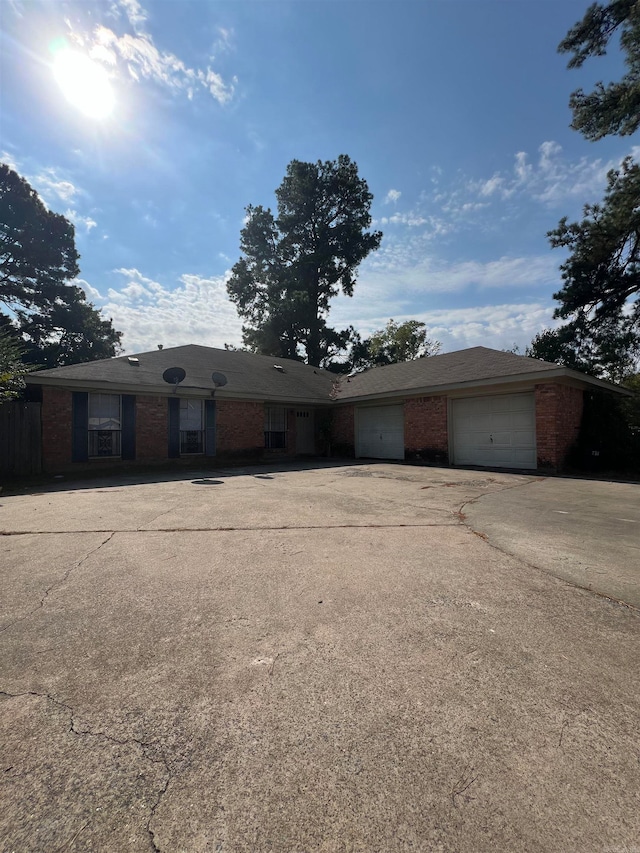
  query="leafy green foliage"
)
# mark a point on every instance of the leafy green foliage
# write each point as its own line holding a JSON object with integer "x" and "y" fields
{"x": 400, "y": 342}
{"x": 38, "y": 258}
{"x": 631, "y": 405}
{"x": 605, "y": 352}
{"x": 12, "y": 368}
{"x": 293, "y": 265}
{"x": 601, "y": 275}
{"x": 614, "y": 108}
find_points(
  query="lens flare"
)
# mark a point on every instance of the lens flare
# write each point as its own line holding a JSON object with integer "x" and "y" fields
{"x": 84, "y": 83}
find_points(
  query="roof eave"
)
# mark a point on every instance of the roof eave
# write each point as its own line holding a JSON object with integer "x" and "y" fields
{"x": 181, "y": 391}
{"x": 516, "y": 378}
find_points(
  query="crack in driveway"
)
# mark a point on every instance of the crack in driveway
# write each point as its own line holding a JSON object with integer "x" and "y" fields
{"x": 144, "y": 746}
{"x": 60, "y": 581}
{"x": 239, "y": 529}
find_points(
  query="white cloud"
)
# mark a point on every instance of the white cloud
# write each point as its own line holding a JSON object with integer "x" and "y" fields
{"x": 9, "y": 160}
{"x": 411, "y": 219}
{"x": 52, "y": 186}
{"x": 93, "y": 294}
{"x": 522, "y": 169}
{"x": 492, "y": 186}
{"x": 137, "y": 52}
{"x": 408, "y": 266}
{"x": 497, "y": 326}
{"x": 225, "y": 39}
{"x": 196, "y": 311}
{"x": 133, "y": 11}
{"x": 85, "y": 222}
{"x": 402, "y": 286}
{"x": 550, "y": 179}
{"x": 392, "y": 196}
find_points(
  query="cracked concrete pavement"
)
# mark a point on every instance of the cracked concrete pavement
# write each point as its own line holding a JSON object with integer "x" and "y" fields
{"x": 335, "y": 658}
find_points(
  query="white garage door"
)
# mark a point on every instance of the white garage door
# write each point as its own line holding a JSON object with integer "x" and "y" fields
{"x": 496, "y": 431}
{"x": 380, "y": 432}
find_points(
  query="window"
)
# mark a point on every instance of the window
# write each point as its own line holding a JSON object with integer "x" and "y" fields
{"x": 104, "y": 425}
{"x": 275, "y": 428}
{"x": 191, "y": 427}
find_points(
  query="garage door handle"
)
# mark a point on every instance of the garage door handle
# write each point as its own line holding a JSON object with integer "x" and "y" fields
{"x": 491, "y": 439}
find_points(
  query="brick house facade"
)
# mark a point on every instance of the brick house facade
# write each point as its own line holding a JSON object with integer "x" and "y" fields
{"x": 257, "y": 414}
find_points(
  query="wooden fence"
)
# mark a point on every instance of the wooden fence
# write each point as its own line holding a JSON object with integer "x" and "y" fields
{"x": 20, "y": 439}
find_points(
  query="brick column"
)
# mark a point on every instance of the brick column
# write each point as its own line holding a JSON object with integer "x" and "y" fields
{"x": 426, "y": 434}
{"x": 343, "y": 430}
{"x": 56, "y": 429}
{"x": 152, "y": 427}
{"x": 239, "y": 427}
{"x": 558, "y": 417}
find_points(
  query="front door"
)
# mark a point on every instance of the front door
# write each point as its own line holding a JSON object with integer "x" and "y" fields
{"x": 305, "y": 432}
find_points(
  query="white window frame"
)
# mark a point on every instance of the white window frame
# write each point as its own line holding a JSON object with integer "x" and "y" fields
{"x": 193, "y": 436}
{"x": 275, "y": 427}
{"x": 104, "y": 429}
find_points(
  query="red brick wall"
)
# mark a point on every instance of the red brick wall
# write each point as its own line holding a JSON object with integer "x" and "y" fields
{"x": 152, "y": 427}
{"x": 343, "y": 428}
{"x": 558, "y": 416}
{"x": 56, "y": 429}
{"x": 425, "y": 428}
{"x": 239, "y": 426}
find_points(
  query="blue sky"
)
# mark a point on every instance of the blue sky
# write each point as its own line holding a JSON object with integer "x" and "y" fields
{"x": 456, "y": 113}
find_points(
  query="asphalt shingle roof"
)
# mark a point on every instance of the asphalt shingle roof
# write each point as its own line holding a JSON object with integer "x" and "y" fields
{"x": 468, "y": 365}
{"x": 255, "y": 376}
{"x": 248, "y": 375}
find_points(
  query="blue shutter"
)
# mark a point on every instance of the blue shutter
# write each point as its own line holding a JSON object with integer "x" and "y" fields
{"x": 80, "y": 426}
{"x": 173, "y": 451}
{"x": 128, "y": 435}
{"x": 209, "y": 427}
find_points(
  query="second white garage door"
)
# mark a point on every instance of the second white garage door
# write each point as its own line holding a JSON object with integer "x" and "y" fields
{"x": 380, "y": 432}
{"x": 495, "y": 431}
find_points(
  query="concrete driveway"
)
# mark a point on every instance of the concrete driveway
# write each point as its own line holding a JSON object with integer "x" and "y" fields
{"x": 335, "y": 658}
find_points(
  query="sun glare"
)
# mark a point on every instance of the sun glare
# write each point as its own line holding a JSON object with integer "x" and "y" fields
{"x": 84, "y": 83}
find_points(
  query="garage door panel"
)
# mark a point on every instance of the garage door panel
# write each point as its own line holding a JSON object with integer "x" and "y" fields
{"x": 480, "y": 421}
{"x": 521, "y": 420}
{"x": 501, "y": 438}
{"x": 521, "y": 438}
{"x": 501, "y": 420}
{"x": 380, "y": 432}
{"x": 497, "y": 431}
{"x": 524, "y": 457}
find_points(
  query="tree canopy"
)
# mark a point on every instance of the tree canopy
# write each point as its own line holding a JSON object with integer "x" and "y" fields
{"x": 398, "y": 342}
{"x": 613, "y": 108}
{"x": 607, "y": 352}
{"x": 12, "y": 368}
{"x": 292, "y": 265}
{"x": 38, "y": 261}
{"x": 601, "y": 276}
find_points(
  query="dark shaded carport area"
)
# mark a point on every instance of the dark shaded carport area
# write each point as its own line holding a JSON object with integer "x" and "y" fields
{"x": 359, "y": 657}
